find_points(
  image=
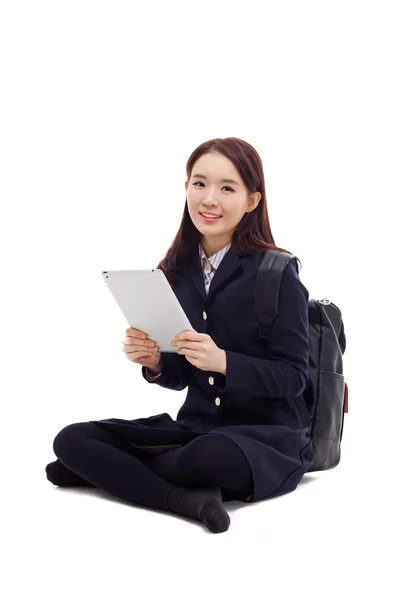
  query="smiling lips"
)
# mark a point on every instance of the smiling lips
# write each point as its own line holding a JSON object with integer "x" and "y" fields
{"x": 209, "y": 218}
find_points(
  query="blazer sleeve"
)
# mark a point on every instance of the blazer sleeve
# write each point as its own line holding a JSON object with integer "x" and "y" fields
{"x": 284, "y": 373}
{"x": 175, "y": 372}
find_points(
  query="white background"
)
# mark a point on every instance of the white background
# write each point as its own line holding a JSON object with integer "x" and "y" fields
{"x": 101, "y": 105}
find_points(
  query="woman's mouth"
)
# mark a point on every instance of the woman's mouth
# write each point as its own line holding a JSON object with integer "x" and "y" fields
{"x": 210, "y": 219}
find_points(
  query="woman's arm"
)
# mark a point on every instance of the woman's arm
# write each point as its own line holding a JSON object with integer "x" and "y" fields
{"x": 284, "y": 373}
{"x": 174, "y": 373}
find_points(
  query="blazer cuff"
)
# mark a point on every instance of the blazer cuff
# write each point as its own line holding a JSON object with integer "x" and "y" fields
{"x": 175, "y": 372}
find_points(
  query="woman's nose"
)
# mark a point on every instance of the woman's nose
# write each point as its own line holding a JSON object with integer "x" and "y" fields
{"x": 210, "y": 199}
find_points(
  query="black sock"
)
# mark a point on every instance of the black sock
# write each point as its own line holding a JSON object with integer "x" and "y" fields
{"x": 202, "y": 504}
{"x": 58, "y": 474}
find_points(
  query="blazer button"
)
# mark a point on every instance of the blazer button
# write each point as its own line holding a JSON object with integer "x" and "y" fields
{"x": 217, "y": 401}
{"x": 204, "y": 315}
{"x": 211, "y": 380}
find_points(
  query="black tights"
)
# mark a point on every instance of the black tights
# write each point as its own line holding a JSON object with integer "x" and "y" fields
{"x": 91, "y": 455}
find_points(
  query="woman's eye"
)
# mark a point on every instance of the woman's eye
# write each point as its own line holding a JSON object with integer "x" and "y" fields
{"x": 225, "y": 186}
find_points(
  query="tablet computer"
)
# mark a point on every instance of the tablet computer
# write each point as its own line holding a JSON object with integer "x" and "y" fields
{"x": 148, "y": 303}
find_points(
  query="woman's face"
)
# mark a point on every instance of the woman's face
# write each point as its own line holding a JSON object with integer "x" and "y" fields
{"x": 208, "y": 193}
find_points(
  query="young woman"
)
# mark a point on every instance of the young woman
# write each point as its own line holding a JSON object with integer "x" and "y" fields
{"x": 239, "y": 434}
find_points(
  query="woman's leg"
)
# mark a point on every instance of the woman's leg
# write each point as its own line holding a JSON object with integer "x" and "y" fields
{"x": 215, "y": 460}
{"x": 209, "y": 459}
{"x": 100, "y": 458}
{"x": 58, "y": 474}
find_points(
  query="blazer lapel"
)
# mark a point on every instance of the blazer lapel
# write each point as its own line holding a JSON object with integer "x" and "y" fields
{"x": 229, "y": 269}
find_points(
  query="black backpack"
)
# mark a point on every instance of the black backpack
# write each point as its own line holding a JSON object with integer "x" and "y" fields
{"x": 325, "y": 400}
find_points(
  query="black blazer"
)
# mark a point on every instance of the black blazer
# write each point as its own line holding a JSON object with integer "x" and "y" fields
{"x": 260, "y": 387}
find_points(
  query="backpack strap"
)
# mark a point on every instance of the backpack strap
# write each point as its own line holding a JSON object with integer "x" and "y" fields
{"x": 268, "y": 283}
{"x": 266, "y": 298}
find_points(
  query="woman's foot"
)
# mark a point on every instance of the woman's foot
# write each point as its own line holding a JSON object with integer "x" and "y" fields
{"x": 201, "y": 504}
{"x": 59, "y": 475}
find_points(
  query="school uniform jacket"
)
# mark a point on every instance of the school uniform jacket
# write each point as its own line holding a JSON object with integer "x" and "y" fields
{"x": 258, "y": 402}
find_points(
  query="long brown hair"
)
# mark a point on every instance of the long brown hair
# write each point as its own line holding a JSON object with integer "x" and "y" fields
{"x": 253, "y": 233}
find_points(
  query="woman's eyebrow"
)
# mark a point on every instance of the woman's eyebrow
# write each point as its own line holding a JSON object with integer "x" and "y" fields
{"x": 222, "y": 180}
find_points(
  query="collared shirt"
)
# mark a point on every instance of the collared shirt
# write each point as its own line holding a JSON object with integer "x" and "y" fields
{"x": 209, "y": 266}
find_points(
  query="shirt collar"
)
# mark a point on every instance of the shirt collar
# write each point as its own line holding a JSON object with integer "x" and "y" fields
{"x": 216, "y": 258}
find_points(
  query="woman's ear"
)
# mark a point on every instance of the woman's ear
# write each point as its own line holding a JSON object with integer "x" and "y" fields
{"x": 253, "y": 201}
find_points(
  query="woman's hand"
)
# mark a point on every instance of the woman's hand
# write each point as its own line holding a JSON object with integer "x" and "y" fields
{"x": 139, "y": 349}
{"x": 200, "y": 350}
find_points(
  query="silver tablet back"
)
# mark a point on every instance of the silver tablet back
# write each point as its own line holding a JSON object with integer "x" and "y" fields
{"x": 148, "y": 303}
